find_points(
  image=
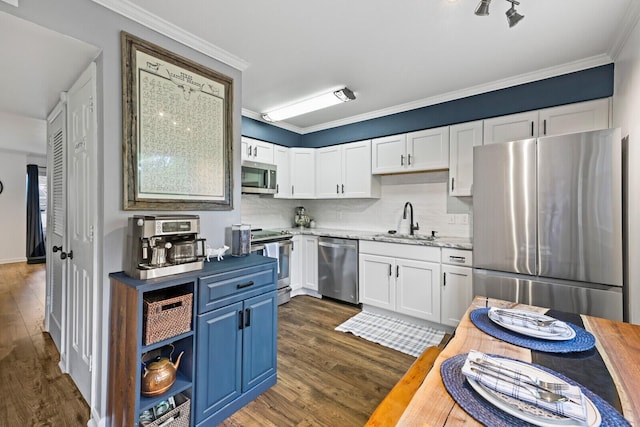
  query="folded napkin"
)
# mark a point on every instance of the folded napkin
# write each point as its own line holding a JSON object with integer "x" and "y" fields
{"x": 576, "y": 408}
{"x": 555, "y": 329}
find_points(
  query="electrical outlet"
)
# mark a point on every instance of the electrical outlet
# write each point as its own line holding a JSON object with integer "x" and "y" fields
{"x": 451, "y": 219}
{"x": 463, "y": 219}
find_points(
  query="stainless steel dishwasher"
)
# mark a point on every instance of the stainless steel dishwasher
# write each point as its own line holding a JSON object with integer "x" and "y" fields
{"x": 338, "y": 268}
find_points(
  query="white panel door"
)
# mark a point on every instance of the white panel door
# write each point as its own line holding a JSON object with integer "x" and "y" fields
{"x": 303, "y": 176}
{"x": 310, "y": 267}
{"x": 388, "y": 154}
{"x": 356, "y": 170}
{"x": 329, "y": 172}
{"x": 376, "y": 281}
{"x": 56, "y": 229}
{"x": 513, "y": 127}
{"x": 418, "y": 285}
{"x": 579, "y": 117}
{"x": 82, "y": 182}
{"x": 463, "y": 138}
{"x": 428, "y": 149}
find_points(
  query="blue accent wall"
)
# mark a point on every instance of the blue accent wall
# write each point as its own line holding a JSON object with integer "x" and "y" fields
{"x": 585, "y": 85}
{"x": 266, "y": 132}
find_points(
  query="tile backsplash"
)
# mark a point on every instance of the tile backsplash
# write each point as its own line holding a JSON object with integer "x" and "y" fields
{"x": 427, "y": 192}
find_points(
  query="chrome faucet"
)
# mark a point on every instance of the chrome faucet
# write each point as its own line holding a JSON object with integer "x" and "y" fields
{"x": 412, "y": 227}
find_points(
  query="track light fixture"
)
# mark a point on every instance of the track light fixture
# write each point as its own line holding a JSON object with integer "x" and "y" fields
{"x": 312, "y": 104}
{"x": 513, "y": 17}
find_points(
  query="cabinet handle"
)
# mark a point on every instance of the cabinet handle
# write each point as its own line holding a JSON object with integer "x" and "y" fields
{"x": 390, "y": 270}
{"x": 342, "y": 188}
{"x": 401, "y": 159}
{"x": 245, "y": 285}
{"x": 452, "y": 183}
{"x": 292, "y": 190}
{"x": 240, "y": 320}
{"x": 247, "y": 317}
{"x": 337, "y": 188}
{"x": 531, "y": 128}
{"x": 444, "y": 279}
{"x": 408, "y": 159}
{"x": 397, "y": 271}
{"x": 456, "y": 258}
{"x": 544, "y": 126}
{"x": 255, "y": 151}
{"x": 277, "y": 188}
{"x": 249, "y": 151}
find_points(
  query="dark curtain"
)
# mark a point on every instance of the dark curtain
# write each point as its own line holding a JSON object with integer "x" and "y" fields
{"x": 35, "y": 237}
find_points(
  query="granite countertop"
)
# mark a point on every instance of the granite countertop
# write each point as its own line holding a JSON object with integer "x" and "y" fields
{"x": 381, "y": 236}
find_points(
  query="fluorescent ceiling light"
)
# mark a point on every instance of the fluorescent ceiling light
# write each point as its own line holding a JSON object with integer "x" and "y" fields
{"x": 312, "y": 104}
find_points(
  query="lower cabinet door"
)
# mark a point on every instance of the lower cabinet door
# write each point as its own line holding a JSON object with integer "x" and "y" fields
{"x": 456, "y": 293}
{"x": 418, "y": 285}
{"x": 219, "y": 359}
{"x": 259, "y": 341}
{"x": 377, "y": 281}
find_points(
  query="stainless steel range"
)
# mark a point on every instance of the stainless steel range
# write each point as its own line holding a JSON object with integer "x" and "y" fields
{"x": 276, "y": 244}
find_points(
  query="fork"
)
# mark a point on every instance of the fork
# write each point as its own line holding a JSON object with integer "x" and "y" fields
{"x": 537, "y": 322}
{"x": 547, "y": 396}
{"x": 488, "y": 364}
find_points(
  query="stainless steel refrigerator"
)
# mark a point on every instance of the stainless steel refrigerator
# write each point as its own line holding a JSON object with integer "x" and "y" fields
{"x": 547, "y": 222}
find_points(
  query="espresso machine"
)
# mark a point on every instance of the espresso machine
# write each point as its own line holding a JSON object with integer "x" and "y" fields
{"x": 161, "y": 245}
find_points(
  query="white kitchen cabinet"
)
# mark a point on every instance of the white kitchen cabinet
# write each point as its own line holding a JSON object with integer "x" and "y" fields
{"x": 401, "y": 278}
{"x": 582, "y": 116}
{"x": 578, "y": 117}
{"x": 344, "y": 171}
{"x": 257, "y": 151}
{"x": 462, "y": 138}
{"x": 310, "y": 262}
{"x": 412, "y": 152}
{"x": 456, "y": 293}
{"x": 283, "y": 173}
{"x": 513, "y": 127}
{"x": 303, "y": 179}
{"x": 295, "y": 262}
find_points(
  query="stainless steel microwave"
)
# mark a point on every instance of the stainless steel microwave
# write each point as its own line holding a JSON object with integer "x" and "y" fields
{"x": 258, "y": 178}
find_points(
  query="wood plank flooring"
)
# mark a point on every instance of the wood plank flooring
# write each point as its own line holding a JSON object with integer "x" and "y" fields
{"x": 325, "y": 378}
{"x": 33, "y": 390}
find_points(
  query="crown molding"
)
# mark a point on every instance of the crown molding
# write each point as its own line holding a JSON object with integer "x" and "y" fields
{"x": 12, "y": 2}
{"x": 147, "y": 19}
{"x": 631, "y": 19}
{"x": 569, "y": 67}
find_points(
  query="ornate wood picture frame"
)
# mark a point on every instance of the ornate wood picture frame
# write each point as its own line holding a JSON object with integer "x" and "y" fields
{"x": 177, "y": 131}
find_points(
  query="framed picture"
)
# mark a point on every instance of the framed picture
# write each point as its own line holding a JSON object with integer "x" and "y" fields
{"x": 177, "y": 140}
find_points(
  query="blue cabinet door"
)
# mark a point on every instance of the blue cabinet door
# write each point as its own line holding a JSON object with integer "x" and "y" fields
{"x": 259, "y": 341}
{"x": 219, "y": 359}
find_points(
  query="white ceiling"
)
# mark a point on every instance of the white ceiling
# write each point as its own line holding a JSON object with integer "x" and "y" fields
{"x": 394, "y": 55}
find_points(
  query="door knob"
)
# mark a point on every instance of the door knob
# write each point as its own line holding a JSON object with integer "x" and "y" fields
{"x": 65, "y": 255}
{"x": 56, "y": 248}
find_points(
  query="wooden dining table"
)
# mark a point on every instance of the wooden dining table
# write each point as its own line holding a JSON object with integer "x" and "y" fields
{"x": 617, "y": 343}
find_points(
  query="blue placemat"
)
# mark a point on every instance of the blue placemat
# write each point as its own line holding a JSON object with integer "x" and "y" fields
{"x": 583, "y": 340}
{"x": 477, "y": 407}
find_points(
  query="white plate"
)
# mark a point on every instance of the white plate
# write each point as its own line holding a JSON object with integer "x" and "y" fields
{"x": 530, "y": 413}
{"x": 567, "y": 334}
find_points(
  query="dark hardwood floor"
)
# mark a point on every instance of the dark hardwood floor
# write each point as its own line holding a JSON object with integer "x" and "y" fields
{"x": 325, "y": 378}
{"x": 33, "y": 390}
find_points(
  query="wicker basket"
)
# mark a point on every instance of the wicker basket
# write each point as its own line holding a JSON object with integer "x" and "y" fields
{"x": 166, "y": 314}
{"x": 177, "y": 417}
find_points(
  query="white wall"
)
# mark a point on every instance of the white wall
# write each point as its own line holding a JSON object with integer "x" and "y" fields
{"x": 427, "y": 192}
{"x": 13, "y": 211}
{"x": 626, "y": 115}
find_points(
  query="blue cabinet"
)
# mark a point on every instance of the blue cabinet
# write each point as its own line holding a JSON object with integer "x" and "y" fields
{"x": 236, "y": 341}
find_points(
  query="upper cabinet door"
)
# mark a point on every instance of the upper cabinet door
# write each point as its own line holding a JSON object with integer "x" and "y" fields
{"x": 283, "y": 174}
{"x": 388, "y": 154}
{"x": 329, "y": 172}
{"x": 428, "y": 149}
{"x": 513, "y": 127}
{"x": 463, "y": 138}
{"x": 356, "y": 171}
{"x": 583, "y": 116}
{"x": 303, "y": 177}
{"x": 257, "y": 151}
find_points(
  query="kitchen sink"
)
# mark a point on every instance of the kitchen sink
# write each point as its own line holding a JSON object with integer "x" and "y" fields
{"x": 406, "y": 237}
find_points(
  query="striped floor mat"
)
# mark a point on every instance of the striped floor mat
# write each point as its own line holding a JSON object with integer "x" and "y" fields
{"x": 394, "y": 333}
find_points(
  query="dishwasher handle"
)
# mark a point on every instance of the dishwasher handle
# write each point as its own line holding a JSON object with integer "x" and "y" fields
{"x": 337, "y": 245}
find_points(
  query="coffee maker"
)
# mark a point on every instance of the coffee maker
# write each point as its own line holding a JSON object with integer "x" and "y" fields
{"x": 161, "y": 245}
